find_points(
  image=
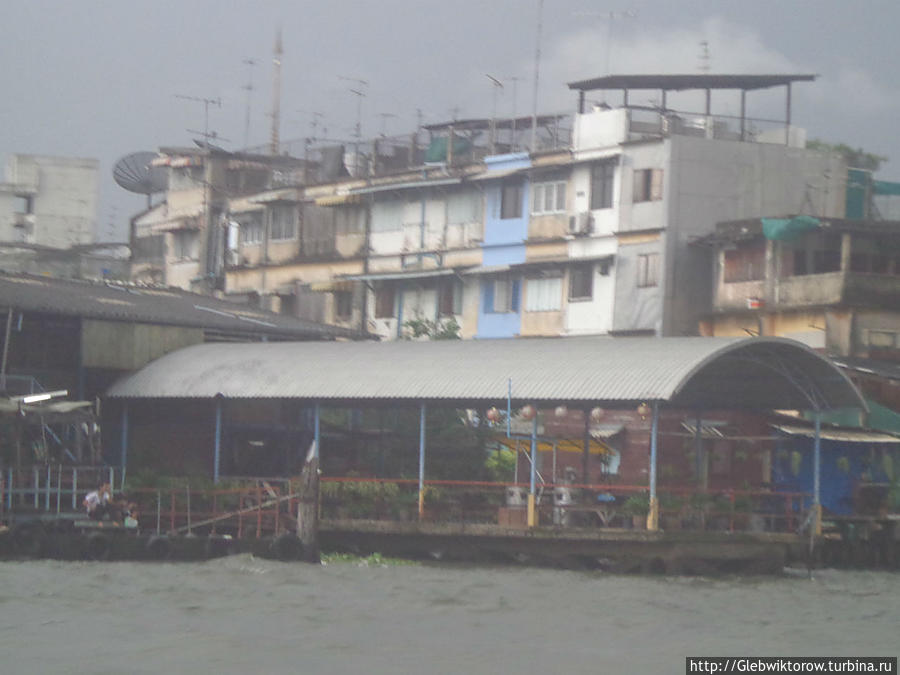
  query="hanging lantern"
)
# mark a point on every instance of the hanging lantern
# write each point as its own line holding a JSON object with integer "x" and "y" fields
{"x": 493, "y": 415}
{"x": 597, "y": 414}
{"x": 643, "y": 410}
{"x": 561, "y": 411}
{"x": 527, "y": 412}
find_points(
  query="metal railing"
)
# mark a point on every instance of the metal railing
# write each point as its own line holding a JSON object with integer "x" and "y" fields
{"x": 51, "y": 488}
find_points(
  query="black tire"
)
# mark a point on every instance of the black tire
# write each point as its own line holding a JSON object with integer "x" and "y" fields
{"x": 29, "y": 539}
{"x": 218, "y": 546}
{"x": 287, "y": 547}
{"x": 98, "y": 546}
{"x": 158, "y": 547}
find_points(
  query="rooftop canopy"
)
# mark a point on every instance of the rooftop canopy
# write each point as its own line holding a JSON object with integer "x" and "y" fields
{"x": 721, "y": 373}
{"x": 683, "y": 82}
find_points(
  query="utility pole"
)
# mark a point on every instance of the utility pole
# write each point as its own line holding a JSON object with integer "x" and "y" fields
{"x": 537, "y": 71}
{"x": 276, "y": 94}
{"x": 250, "y": 63}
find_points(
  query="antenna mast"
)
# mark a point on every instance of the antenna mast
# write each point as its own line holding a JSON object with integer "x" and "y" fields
{"x": 276, "y": 94}
{"x": 206, "y": 103}
{"x": 249, "y": 88}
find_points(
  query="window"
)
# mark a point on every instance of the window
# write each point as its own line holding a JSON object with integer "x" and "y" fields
{"x": 747, "y": 263}
{"x": 581, "y": 282}
{"x": 283, "y": 219}
{"x": 384, "y": 302}
{"x": 602, "y": 176}
{"x": 648, "y": 185}
{"x": 450, "y": 297}
{"x": 548, "y": 198}
{"x": 501, "y": 296}
{"x": 343, "y": 304}
{"x": 511, "y": 200}
{"x": 251, "y": 228}
{"x": 543, "y": 295}
{"x": 24, "y": 204}
{"x": 647, "y": 270}
{"x": 183, "y": 245}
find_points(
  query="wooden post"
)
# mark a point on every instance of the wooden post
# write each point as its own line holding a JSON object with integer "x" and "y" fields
{"x": 308, "y": 507}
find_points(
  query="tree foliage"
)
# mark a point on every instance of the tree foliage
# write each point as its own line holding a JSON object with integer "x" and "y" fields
{"x": 856, "y": 158}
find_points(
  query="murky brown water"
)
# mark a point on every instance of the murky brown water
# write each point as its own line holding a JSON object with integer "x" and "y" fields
{"x": 246, "y": 615}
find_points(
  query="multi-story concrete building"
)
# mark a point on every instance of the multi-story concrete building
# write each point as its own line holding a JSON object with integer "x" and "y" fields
{"x": 587, "y": 233}
{"x": 49, "y": 201}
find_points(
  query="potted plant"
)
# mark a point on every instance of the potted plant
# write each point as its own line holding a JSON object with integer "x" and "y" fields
{"x": 670, "y": 507}
{"x": 637, "y": 506}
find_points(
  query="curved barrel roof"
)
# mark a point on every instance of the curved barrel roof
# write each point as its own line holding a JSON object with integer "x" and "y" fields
{"x": 762, "y": 373}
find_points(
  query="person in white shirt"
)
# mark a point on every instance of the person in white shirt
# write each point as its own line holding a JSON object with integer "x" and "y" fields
{"x": 97, "y": 502}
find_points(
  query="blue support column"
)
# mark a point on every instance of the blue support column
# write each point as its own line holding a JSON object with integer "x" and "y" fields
{"x": 124, "y": 453}
{"x": 653, "y": 513}
{"x": 421, "y": 461}
{"x": 316, "y": 431}
{"x": 817, "y": 469}
{"x": 218, "y": 447}
{"x": 532, "y": 520}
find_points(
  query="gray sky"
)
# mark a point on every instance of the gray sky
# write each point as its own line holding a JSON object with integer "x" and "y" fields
{"x": 97, "y": 78}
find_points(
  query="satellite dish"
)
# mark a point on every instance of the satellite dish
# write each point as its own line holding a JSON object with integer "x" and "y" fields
{"x": 135, "y": 173}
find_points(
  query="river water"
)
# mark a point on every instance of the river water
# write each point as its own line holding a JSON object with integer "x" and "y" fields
{"x": 247, "y": 615}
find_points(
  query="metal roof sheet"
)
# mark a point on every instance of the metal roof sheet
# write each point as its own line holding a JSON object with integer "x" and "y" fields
{"x": 690, "y": 81}
{"x": 719, "y": 373}
{"x": 163, "y": 306}
{"x": 846, "y": 435}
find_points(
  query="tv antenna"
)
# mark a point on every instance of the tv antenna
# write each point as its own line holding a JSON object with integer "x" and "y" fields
{"x": 705, "y": 58}
{"x": 360, "y": 94}
{"x": 249, "y": 89}
{"x": 206, "y": 103}
{"x": 497, "y": 85}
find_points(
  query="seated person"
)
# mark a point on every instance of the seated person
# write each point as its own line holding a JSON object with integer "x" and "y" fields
{"x": 97, "y": 502}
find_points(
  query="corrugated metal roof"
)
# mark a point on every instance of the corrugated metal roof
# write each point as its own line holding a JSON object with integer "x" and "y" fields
{"x": 163, "y": 306}
{"x": 709, "y": 372}
{"x": 847, "y": 435}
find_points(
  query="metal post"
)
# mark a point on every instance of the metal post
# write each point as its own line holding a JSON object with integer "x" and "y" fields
{"x": 9, "y": 488}
{"x": 698, "y": 451}
{"x": 58, "y": 487}
{"x": 787, "y": 121}
{"x": 124, "y": 454}
{"x": 74, "y": 488}
{"x": 316, "y": 429}
{"x": 47, "y": 489}
{"x": 531, "y": 492}
{"x": 158, "y": 511}
{"x": 653, "y": 513}
{"x": 218, "y": 446}
{"x": 421, "y": 461}
{"x": 817, "y": 465}
{"x": 743, "y": 114}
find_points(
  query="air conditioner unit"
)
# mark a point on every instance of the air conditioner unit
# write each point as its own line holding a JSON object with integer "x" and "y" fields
{"x": 581, "y": 223}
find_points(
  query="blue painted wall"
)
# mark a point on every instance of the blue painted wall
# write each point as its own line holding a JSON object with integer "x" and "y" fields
{"x": 836, "y": 484}
{"x": 503, "y": 244}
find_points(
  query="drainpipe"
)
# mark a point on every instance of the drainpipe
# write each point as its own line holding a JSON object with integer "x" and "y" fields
{"x": 653, "y": 513}
{"x": 816, "y": 524}
{"x": 421, "y": 461}
{"x": 531, "y": 493}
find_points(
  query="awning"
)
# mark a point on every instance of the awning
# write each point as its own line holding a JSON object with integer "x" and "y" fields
{"x": 562, "y": 260}
{"x": 489, "y": 269}
{"x": 331, "y": 286}
{"x": 494, "y": 175}
{"x": 606, "y": 431}
{"x": 397, "y": 276}
{"x": 338, "y": 200}
{"x": 545, "y": 444}
{"x": 387, "y": 187}
{"x": 846, "y": 435}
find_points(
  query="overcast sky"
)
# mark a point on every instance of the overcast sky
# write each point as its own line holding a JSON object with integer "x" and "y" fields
{"x": 96, "y": 78}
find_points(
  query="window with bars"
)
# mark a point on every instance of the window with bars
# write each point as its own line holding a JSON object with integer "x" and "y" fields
{"x": 548, "y": 198}
{"x": 251, "y": 227}
{"x": 284, "y": 219}
{"x": 602, "y": 176}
